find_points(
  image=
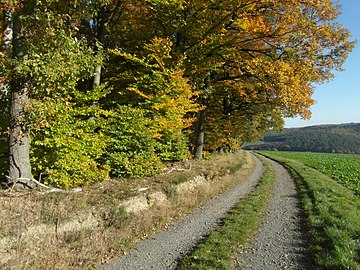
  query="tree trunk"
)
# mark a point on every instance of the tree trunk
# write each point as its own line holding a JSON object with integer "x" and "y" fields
{"x": 199, "y": 146}
{"x": 200, "y": 132}
{"x": 97, "y": 76}
{"x": 100, "y": 27}
{"x": 104, "y": 17}
{"x": 19, "y": 150}
{"x": 19, "y": 135}
{"x": 6, "y": 48}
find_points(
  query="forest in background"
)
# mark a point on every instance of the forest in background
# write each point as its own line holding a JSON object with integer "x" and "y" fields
{"x": 343, "y": 138}
{"x": 97, "y": 88}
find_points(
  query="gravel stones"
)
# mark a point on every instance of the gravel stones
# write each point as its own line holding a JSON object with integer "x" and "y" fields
{"x": 167, "y": 247}
{"x": 280, "y": 243}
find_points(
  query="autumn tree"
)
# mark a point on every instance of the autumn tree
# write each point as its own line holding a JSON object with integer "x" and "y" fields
{"x": 272, "y": 52}
{"x": 156, "y": 91}
{"x": 17, "y": 83}
{"x": 49, "y": 60}
{"x": 121, "y": 82}
{"x": 286, "y": 48}
{"x": 66, "y": 115}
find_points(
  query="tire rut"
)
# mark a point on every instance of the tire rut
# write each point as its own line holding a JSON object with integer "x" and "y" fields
{"x": 280, "y": 242}
{"x": 167, "y": 247}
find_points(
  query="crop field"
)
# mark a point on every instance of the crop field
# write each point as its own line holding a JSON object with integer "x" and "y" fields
{"x": 344, "y": 168}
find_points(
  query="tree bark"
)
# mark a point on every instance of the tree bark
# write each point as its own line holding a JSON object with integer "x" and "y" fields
{"x": 101, "y": 22}
{"x": 19, "y": 138}
{"x": 200, "y": 132}
{"x": 104, "y": 17}
{"x": 19, "y": 135}
{"x": 97, "y": 76}
{"x": 199, "y": 146}
{"x": 6, "y": 47}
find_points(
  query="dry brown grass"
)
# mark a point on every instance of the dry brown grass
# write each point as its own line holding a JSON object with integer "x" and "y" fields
{"x": 30, "y": 226}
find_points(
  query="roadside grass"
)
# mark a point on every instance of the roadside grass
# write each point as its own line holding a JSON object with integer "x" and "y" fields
{"x": 332, "y": 213}
{"x": 217, "y": 251}
{"x": 116, "y": 231}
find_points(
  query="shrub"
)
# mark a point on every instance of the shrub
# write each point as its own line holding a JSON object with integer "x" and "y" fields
{"x": 131, "y": 151}
{"x": 67, "y": 150}
{"x": 173, "y": 148}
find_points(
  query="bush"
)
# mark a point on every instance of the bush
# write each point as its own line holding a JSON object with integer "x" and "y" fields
{"x": 68, "y": 149}
{"x": 173, "y": 148}
{"x": 131, "y": 151}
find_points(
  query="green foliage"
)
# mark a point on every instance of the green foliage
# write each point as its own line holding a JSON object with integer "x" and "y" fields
{"x": 131, "y": 149}
{"x": 160, "y": 87}
{"x": 66, "y": 148}
{"x": 66, "y": 121}
{"x": 164, "y": 98}
{"x": 57, "y": 63}
{"x": 172, "y": 148}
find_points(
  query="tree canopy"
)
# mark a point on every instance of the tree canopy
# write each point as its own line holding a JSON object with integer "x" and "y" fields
{"x": 99, "y": 88}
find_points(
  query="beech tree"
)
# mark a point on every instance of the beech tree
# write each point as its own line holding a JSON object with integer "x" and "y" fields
{"x": 6, "y": 52}
{"x": 270, "y": 51}
{"x": 66, "y": 115}
{"x": 48, "y": 61}
{"x": 76, "y": 78}
{"x": 18, "y": 84}
{"x": 157, "y": 88}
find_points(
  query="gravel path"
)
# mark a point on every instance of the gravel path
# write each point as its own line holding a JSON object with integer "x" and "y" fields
{"x": 165, "y": 250}
{"x": 280, "y": 243}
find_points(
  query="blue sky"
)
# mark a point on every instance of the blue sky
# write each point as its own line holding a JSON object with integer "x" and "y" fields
{"x": 338, "y": 101}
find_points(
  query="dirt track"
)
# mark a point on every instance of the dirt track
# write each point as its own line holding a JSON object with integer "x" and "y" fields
{"x": 279, "y": 244}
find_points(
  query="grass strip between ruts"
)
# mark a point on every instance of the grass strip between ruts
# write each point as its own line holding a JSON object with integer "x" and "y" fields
{"x": 332, "y": 213}
{"x": 217, "y": 251}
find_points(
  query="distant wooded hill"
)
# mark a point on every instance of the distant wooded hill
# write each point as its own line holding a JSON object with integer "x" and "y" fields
{"x": 343, "y": 138}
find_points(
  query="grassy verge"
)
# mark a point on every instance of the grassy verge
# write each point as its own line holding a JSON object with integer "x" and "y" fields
{"x": 218, "y": 249}
{"x": 116, "y": 231}
{"x": 332, "y": 213}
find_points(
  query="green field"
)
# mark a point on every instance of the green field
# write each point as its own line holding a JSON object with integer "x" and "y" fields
{"x": 344, "y": 168}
